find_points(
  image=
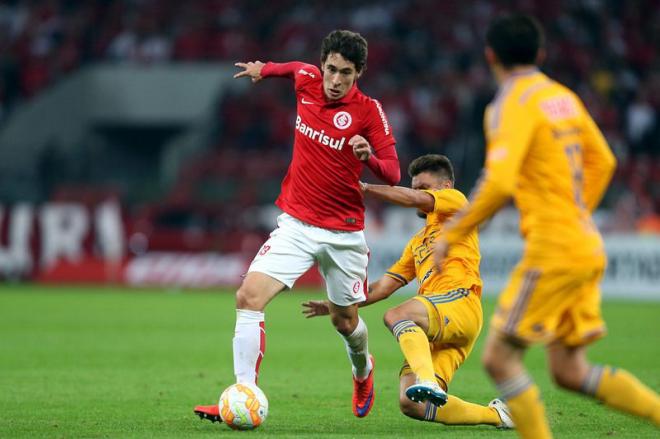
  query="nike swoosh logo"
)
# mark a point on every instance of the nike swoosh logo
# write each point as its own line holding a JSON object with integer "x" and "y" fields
{"x": 307, "y": 102}
{"x": 362, "y": 410}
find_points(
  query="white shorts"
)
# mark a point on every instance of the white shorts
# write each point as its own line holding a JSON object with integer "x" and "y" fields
{"x": 294, "y": 247}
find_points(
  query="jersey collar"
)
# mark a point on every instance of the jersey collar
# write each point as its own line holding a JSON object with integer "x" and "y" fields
{"x": 512, "y": 77}
{"x": 520, "y": 73}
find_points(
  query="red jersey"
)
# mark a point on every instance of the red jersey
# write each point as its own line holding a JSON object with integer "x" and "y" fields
{"x": 321, "y": 186}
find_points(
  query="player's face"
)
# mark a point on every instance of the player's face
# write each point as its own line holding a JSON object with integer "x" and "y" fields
{"x": 339, "y": 75}
{"x": 428, "y": 180}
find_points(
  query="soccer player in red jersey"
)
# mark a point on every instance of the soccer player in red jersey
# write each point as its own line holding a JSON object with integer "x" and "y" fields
{"x": 338, "y": 131}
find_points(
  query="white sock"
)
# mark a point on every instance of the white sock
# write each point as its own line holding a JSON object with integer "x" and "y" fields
{"x": 249, "y": 345}
{"x": 357, "y": 347}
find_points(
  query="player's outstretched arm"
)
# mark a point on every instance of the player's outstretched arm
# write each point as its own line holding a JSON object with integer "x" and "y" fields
{"x": 256, "y": 70}
{"x": 379, "y": 290}
{"x": 401, "y": 196}
{"x": 250, "y": 69}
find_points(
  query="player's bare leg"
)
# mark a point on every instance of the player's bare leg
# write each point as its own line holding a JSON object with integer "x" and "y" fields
{"x": 503, "y": 361}
{"x": 409, "y": 322}
{"x": 615, "y": 387}
{"x": 354, "y": 332}
{"x": 454, "y": 412}
{"x": 256, "y": 291}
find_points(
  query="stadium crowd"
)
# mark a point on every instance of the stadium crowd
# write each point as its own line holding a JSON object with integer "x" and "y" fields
{"x": 425, "y": 65}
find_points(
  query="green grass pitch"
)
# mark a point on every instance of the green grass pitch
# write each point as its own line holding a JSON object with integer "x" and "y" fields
{"x": 102, "y": 362}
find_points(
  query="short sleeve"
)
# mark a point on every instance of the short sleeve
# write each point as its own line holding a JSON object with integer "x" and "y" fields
{"x": 447, "y": 201}
{"x": 403, "y": 270}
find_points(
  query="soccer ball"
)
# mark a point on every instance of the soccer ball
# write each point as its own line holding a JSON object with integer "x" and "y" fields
{"x": 243, "y": 406}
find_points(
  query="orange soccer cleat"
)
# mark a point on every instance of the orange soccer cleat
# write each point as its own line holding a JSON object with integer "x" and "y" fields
{"x": 363, "y": 393}
{"x": 210, "y": 412}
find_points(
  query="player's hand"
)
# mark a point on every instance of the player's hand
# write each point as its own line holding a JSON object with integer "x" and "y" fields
{"x": 361, "y": 148}
{"x": 315, "y": 308}
{"x": 440, "y": 250}
{"x": 251, "y": 69}
{"x": 363, "y": 186}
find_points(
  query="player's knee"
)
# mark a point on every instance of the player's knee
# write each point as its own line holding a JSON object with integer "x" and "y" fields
{"x": 391, "y": 317}
{"x": 493, "y": 364}
{"x": 248, "y": 297}
{"x": 345, "y": 326}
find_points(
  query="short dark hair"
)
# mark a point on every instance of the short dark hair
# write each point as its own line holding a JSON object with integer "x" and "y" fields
{"x": 351, "y": 45}
{"x": 434, "y": 163}
{"x": 515, "y": 39}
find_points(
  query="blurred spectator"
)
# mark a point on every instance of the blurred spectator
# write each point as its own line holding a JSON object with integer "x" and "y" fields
{"x": 425, "y": 65}
{"x": 141, "y": 41}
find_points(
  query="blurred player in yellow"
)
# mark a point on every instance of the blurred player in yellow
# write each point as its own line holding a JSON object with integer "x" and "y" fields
{"x": 545, "y": 151}
{"x": 436, "y": 329}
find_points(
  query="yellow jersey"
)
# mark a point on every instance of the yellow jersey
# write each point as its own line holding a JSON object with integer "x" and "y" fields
{"x": 460, "y": 269}
{"x": 544, "y": 149}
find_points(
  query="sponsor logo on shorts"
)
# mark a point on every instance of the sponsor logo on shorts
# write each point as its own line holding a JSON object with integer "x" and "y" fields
{"x": 356, "y": 287}
{"x": 264, "y": 250}
{"x": 342, "y": 120}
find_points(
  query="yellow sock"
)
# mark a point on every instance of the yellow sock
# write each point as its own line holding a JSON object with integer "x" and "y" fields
{"x": 415, "y": 347}
{"x": 527, "y": 411}
{"x": 620, "y": 390}
{"x": 459, "y": 412}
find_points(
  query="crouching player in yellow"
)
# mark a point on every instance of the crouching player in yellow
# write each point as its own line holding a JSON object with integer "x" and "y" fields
{"x": 436, "y": 329}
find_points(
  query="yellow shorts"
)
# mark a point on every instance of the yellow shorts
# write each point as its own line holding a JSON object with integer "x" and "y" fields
{"x": 542, "y": 306}
{"x": 455, "y": 320}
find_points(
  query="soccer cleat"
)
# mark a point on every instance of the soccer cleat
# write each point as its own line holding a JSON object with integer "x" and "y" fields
{"x": 363, "y": 393}
{"x": 427, "y": 391}
{"x": 502, "y": 410}
{"x": 210, "y": 412}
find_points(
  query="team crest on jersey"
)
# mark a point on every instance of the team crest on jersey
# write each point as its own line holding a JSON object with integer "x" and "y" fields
{"x": 342, "y": 120}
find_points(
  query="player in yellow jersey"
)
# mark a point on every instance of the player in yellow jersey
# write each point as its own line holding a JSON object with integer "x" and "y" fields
{"x": 436, "y": 329}
{"x": 545, "y": 151}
